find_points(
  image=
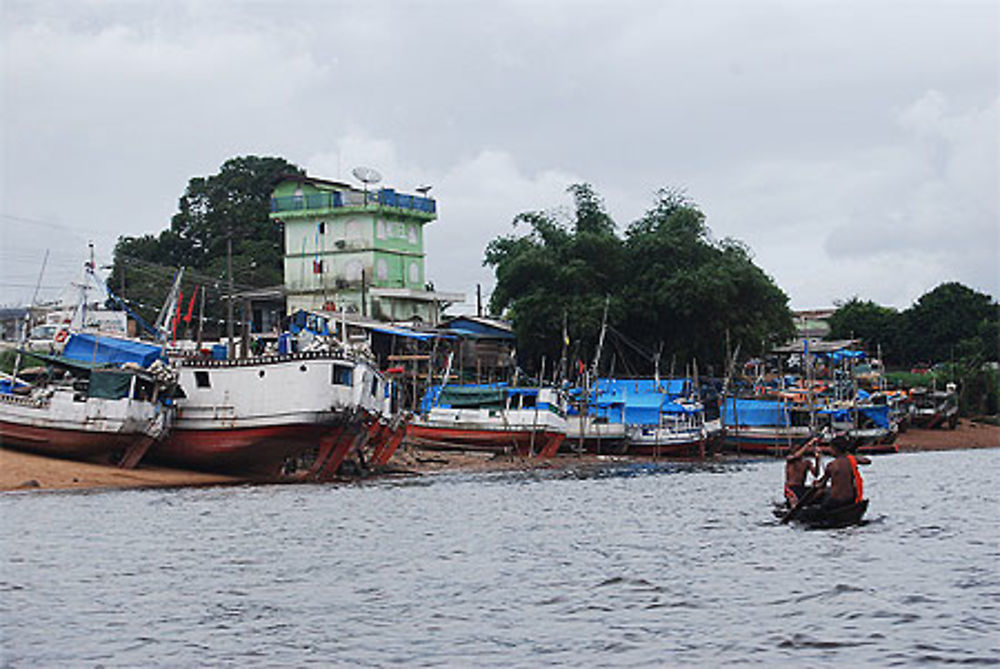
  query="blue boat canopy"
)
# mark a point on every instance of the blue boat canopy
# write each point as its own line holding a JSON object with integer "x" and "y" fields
{"x": 95, "y": 349}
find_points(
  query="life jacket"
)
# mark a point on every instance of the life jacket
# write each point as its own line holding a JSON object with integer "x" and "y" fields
{"x": 859, "y": 485}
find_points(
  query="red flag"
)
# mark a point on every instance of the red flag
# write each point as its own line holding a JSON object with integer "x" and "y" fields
{"x": 187, "y": 318}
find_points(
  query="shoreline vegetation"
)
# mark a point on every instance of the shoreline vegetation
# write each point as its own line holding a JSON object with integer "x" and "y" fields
{"x": 28, "y": 472}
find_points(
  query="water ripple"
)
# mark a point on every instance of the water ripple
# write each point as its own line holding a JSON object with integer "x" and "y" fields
{"x": 623, "y": 565}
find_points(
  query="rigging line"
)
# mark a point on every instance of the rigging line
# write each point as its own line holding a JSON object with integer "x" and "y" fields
{"x": 81, "y": 231}
{"x": 168, "y": 270}
{"x": 641, "y": 350}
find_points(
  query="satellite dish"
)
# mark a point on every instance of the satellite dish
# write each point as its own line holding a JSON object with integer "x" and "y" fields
{"x": 366, "y": 175}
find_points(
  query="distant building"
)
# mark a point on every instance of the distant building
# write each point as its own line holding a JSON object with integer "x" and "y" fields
{"x": 485, "y": 345}
{"x": 813, "y": 324}
{"x": 357, "y": 251}
{"x": 12, "y": 321}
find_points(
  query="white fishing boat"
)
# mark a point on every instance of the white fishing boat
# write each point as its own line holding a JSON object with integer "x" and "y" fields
{"x": 493, "y": 417}
{"x": 297, "y": 414}
{"x": 95, "y": 410}
{"x": 680, "y": 430}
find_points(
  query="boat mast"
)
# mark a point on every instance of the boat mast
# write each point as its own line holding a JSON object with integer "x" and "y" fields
{"x": 169, "y": 305}
{"x": 600, "y": 339}
{"x": 27, "y": 320}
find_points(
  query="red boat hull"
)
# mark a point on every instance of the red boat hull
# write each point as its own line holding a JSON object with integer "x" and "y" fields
{"x": 687, "y": 448}
{"x": 256, "y": 451}
{"x": 71, "y": 444}
{"x": 524, "y": 443}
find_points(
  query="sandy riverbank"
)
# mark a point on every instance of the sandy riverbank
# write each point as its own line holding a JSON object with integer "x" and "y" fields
{"x": 24, "y": 471}
{"x": 966, "y": 435}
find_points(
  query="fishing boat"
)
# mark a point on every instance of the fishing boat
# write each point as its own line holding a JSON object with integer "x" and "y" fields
{"x": 595, "y": 422}
{"x": 632, "y": 416}
{"x": 294, "y": 415}
{"x": 764, "y": 425}
{"x": 663, "y": 417}
{"x": 491, "y": 417}
{"x": 934, "y": 408}
{"x": 100, "y": 401}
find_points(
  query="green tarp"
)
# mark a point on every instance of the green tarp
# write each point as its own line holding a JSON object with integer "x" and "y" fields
{"x": 109, "y": 385}
{"x": 459, "y": 397}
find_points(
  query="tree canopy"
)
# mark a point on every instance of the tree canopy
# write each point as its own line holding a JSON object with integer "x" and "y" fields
{"x": 234, "y": 201}
{"x": 667, "y": 285}
{"x": 948, "y": 323}
{"x": 877, "y": 326}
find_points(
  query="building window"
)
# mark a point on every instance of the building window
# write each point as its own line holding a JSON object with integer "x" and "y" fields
{"x": 380, "y": 230}
{"x": 201, "y": 380}
{"x": 382, "y": 269}
{"x": 321, "y": 227}
{"x": 414, "y": 273}
{"x": 413, "y": 234}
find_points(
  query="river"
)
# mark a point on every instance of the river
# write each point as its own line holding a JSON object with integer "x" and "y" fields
{"x": 636, "y": 565}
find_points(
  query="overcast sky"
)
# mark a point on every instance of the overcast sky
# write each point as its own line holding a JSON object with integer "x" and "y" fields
{"x": 853, "y": 145}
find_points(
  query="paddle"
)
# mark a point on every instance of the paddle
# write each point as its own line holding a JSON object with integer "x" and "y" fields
{"x": 805, "y": 499}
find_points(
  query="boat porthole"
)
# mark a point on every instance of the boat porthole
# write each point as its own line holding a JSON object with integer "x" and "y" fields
{"x": 261, "y": 373}
{"x": 302, "y": 368}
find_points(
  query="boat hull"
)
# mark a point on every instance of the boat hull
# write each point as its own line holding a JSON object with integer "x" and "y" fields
{"x": 519, "y": 442}
{"x": 815, "y": 517}
{"x": 66, "y": 443}
{"x": 763, "y": 441}
{"x": 93, "y": 429}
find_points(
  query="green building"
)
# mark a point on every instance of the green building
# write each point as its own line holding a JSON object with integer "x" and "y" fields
{"x": 356, "y": 250}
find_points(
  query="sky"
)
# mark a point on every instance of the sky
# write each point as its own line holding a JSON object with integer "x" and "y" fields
{"x": 852, "y": 145}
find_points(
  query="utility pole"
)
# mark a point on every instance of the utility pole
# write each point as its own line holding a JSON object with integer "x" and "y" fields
{"x": 231, "y": 345}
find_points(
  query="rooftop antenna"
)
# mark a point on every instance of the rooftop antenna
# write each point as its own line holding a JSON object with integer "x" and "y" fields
{"x": 366, "y": 175}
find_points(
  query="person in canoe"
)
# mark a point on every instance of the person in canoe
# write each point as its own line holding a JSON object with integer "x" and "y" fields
{"x": 797, "y": 467}
{"x": 841, "y": 478}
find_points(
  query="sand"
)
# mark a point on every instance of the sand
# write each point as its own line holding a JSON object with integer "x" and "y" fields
{"x": 966, "y": 435}
{"x": 24, "y": 471}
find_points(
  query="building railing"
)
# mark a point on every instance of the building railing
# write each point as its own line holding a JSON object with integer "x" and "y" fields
{"x": 386, "y": 197}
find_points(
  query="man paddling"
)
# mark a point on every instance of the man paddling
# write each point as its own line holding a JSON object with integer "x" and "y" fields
{"x": 846, "y": 486}
{"x": 798, "y": 467}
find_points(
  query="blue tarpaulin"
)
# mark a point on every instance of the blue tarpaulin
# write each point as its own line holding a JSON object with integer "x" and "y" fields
{"x": 837, "y": 356}
{"x": 738, "y": 411}
{"x": 879, "y": 414}
{"x": 100, "y": 350}
{"x": 643, "y": 399}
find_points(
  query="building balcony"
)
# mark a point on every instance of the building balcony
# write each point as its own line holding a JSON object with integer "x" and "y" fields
{"x": 325, "y": 202}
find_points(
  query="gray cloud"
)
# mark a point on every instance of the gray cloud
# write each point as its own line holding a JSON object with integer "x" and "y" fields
{"x": 852, "y": 145}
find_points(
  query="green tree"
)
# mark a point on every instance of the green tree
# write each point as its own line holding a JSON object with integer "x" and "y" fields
{"x": 557, "y": 270}
{"x": 951, "y": 321}
{"x": 235, "y": 201}
{"x": 688, "y": 291}
{"x": 876, "y": 326}
{"x": 667, "y": 284}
